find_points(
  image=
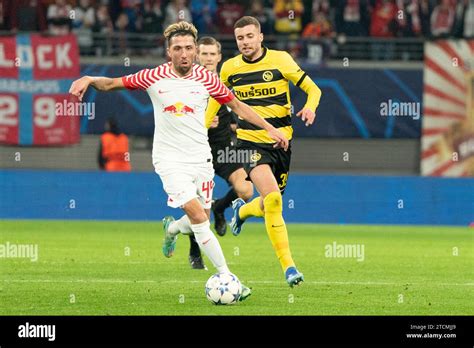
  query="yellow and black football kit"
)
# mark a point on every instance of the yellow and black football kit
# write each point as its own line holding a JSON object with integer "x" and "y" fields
{"x": 263, "y": 84}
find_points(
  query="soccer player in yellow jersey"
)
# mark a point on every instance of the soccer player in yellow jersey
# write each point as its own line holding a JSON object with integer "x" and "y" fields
{"x": 260, "y": 78}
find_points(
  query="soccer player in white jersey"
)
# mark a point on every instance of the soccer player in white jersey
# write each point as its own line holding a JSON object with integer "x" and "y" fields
{"x": 179, "y": 91}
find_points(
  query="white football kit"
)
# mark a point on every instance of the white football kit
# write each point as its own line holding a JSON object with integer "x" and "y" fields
{"x": 181, "y": 152}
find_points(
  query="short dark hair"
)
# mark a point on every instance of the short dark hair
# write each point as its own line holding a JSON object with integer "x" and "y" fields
{"x": 208, "y": 41}
{"x": 247, "y": 20}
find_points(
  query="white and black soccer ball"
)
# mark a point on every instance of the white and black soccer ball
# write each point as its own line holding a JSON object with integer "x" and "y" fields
{"x": 223, "y": 289}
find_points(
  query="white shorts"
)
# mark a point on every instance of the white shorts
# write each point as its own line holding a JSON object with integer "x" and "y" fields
{"x": 184, "y": 182}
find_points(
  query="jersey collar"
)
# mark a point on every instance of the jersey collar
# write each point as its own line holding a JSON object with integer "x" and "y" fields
{"x": 258, "y": 59}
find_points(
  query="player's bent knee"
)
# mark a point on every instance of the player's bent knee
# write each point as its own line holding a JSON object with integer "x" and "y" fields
{"x": 245, "y": 192}
{"x": 273, "y": 202}
{"x": 195, "y": 212}
{"x": 200, "y": 217}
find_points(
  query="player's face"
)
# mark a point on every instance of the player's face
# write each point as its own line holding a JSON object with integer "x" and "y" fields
{"x": 209, "y": 56}
{"x": 182, "y": 51}
{"x": 249, "y": 41}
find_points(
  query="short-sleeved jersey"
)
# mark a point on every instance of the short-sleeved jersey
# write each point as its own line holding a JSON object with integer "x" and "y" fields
{"x": 263, "y": 85}
{"x": 179, "y": 105}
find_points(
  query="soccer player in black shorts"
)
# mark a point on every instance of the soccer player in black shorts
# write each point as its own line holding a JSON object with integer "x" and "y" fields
{"x": 226, "y": 160}
{"x": 181, "y": 151}
{"x": 260, "y": 78}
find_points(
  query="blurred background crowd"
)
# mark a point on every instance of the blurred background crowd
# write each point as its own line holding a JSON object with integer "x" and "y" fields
{"x": 127, "y": 21}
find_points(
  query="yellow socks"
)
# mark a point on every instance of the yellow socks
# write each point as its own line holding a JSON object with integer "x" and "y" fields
{"x": 252, "y": 208}
{"x": 276, "y": 228}
{"x": 274, "y": 223}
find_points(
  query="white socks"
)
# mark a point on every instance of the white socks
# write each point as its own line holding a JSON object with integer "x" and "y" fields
{"x": 205, "y": 238}
{"x": 210, "y": 245}
{"x": 182, "y": 225}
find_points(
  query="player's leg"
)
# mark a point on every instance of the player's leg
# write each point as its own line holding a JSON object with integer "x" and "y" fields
{"x": 205, "y": 186}
{"x": 218, "y": 208}
{"x": 256, "y": 155}
{"x": 269, "y": 189}
{"x": 183, "y": 225}
{"x": 242, "y": 210}
{"x": 195, "y": 257}
{"x": 206, "y": 240}
{"x": 191, "y": 189}
{"x": 222, "y": 169}
{"x": 234, "y": 175}
{"x": 172, "y": 228}
{"x": 240, "y": 184}
{"x": 241, "y": 188}
{"x": 178, "y": 184}
{"x": 255, "y": 206}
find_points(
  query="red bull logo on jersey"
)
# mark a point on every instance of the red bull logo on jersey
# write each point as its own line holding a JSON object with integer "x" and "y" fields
{"x": 178, "y": 109}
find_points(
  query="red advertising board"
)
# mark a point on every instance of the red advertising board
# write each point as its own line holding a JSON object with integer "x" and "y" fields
{"x": 35, "y": 75}
{"x": 9, "y": 119}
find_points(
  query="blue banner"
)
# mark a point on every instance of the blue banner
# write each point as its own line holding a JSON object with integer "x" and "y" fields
{"x": 308, "y": 198}
{"x": 351, "y": 105}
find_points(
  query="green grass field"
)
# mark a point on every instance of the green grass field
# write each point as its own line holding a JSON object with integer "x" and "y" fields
{"x": 117, "y": 268}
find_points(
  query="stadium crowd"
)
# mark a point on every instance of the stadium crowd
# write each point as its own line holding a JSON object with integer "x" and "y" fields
{"x": 309, "y": 18}
{"x": 113, "y": 27}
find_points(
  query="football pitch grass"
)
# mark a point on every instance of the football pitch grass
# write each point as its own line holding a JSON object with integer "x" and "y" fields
{"x": 117, "y": 268}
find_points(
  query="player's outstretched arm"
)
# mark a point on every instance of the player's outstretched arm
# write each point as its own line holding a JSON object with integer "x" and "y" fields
{"x": 245, "y": 112}
{"x": 308, "y": 112}
{"x": 104, "y": 84}
{"x": 292, "y": 72}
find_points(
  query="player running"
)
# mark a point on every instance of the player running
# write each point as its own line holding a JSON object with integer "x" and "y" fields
{"x": 179, "y": 91}
{"x": 220, "y": 139}
{"x": 259, "y": 77}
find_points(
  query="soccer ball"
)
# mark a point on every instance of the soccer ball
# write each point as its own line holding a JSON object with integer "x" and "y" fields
{"x": 223, "y": 289}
